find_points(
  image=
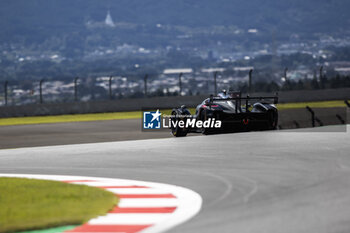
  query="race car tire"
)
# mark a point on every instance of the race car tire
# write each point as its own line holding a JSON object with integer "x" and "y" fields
{"x": 177, "y": 131}
{"x": 205, "y": 131}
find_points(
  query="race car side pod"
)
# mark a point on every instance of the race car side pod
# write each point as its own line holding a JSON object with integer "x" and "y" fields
{"x": 247, "y": 99}
{"x": 313, "y": 117}
{"x": 347, "y": 103}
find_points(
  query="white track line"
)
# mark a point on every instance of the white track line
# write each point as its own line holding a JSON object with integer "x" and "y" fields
{"x": 145, "y": 207}
{"x": 137, "y": 191}
{"x": 149, "y": 202}
{"x": 130, "y": 219}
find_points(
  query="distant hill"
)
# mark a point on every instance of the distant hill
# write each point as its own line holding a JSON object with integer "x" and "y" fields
{"x": 35, "y": 19}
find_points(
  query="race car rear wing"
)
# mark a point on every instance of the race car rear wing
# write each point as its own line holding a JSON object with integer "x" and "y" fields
{"x": 236, "y": 96}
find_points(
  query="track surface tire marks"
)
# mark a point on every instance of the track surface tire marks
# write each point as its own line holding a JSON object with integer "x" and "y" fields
{"x": 250, "y": 182}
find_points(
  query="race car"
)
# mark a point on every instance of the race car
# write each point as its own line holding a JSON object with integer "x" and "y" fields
{"x": 226, "y": 112}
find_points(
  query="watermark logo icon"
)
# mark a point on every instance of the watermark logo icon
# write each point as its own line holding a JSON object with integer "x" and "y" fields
{"x": 151, "y": 120}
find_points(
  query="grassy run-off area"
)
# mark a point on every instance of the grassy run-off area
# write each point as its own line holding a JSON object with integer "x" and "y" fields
{"x": 138, "y": 114}
{"x": 27, "y": 204}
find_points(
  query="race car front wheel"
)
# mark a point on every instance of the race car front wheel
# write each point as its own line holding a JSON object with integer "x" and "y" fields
{"x": 175, "y": 129}
{"x": 204, "y": 117}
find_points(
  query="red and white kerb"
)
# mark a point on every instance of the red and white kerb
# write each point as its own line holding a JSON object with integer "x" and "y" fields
{"x": 145, "y": 207}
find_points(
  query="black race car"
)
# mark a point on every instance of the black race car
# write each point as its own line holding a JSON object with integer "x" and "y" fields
{"x": 226, "y": 113}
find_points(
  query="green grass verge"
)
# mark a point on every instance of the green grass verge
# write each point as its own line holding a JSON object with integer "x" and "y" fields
{"x": 51, "y": 230}
{"x": 69, "y": 118}
{"x": 29, "y": 204}
{"x": 138, "y": 114}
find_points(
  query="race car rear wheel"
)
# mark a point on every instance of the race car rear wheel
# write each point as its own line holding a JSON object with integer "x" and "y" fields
{"x": 175, "y": 129}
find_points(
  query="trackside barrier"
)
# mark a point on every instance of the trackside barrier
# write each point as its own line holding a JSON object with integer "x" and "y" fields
{"x": 340, "y": 119}
{"x": 5, "y": 91}
{"x": 313, "y": 117}
{"x": 110, "y": 88}
{"x": 319, "y": 121}
{"x": 145, "y": 84}
{"x": 250, "y": 81}
{"x": 180, "y": 84}
{"x": 296, "y": 124}
{"x": 41, "y": 90}
{"x": 215, "y": 84}
{"x": 76, "y": 89}
{"x": 347, "y": 103}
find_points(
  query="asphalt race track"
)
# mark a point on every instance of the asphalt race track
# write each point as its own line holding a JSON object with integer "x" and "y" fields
{"x": 278, "y": 181}
{"x": 17, "y": 136}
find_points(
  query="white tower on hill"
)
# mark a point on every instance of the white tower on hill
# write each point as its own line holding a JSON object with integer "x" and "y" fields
{"x": 109, "y": 21}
